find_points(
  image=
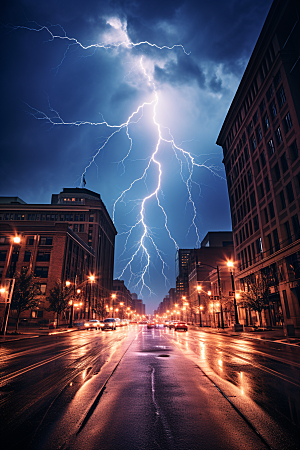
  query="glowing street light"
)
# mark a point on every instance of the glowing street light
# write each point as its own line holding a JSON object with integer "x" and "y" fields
{"x": 236, "y": 317}
{"x": 113, "y": 296}
{"x": 199, "y": 289}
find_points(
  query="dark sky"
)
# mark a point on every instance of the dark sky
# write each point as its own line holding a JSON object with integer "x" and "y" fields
{"x": 69, "y": 62}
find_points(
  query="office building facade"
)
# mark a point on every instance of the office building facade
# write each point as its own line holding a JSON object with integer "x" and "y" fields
{"x": 260, "y": 138}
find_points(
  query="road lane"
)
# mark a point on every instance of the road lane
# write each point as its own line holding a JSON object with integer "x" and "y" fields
{"x": 265, "y": 387}
{"x": 31, "y": 381}
{"x": 159, "y": 399}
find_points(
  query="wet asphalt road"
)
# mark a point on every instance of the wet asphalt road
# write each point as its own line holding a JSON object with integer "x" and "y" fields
{"x": 149, "y": 389}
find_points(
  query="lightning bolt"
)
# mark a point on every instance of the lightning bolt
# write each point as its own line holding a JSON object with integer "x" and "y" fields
{"x": 137, "y": 265}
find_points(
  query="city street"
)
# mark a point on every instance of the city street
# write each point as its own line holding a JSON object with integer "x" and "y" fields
{"x": 139, "y": 388}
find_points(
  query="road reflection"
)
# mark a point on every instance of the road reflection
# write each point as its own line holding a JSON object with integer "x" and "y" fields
{"x": 249, "y": 371}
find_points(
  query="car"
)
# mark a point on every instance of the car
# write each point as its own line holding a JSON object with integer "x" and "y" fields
{"x": 118, "y": 322}
{"x": 92, "y": 324}
{"x": 172, "y": 324}
{"x": 150, "y": 325}
{"x": 110, "y": 324}
{"x": 180, "y": 326}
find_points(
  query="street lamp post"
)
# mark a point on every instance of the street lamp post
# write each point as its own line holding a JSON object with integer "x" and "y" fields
{"x": 237, "y": 325}
{"x": 15, "y": 240}
{"x": 236, "y": 317}
{"x": 199, "y": 289}
{"x": 113, "y": 296}
{"x": 91, "y": 279}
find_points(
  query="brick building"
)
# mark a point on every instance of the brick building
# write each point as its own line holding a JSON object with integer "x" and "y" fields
{"x": 260, "y": 138}
{"x": 69, "y": 239}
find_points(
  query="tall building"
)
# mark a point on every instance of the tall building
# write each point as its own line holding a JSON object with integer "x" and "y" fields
{"x": 260, "y": 138}
{"x": 181, "y": 272}
{"x": 207, "y": 268}
{"x": 69, "y": 239}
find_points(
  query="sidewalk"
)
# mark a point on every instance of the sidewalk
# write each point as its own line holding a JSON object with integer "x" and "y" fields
{"x": 32, "y": 332}
{"x": 275, "y": 334}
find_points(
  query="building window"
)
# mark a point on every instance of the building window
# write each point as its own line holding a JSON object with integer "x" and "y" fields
{"x": 281, "y": 97}
{"x": 267, "y": 184}
{"x": 270, "y": 244}
{"x": 3, "y": 255}
{"x": 271, "y": 147}
{"x": 259, "y": 246}
{"x": 276, "y": 240}
{"x": 41, "y": 272}
{"x": 252, "y": 199}
{"x": 262, "y": 106}
{"x": 30, "y": 240}
{"x": 273, "y": 109}
{"x": 253, "y": 143}
{"x": 255, "y": 223}
{"x": 282, "y": 200}
{"x": 271, "y": 209}
{"x": 284, "y": 163}
{"x": 263, "y": 158}
{"x": 287, "y": 122}
{"x": 266, "y": 122}
{"x": 277, "y": 172}
{"x": 46, "y": 240}
{"x": 270, "y": 93}
{"x": 250, "y": 178}
{"x": 246, "y": 153}
{"x": 75, "y": 227}
{"x": 27, "y": 256}
{"x": 81, "y": 228}
{"x": 266, "y": 215}
{"x": 294, "y": 151}
{"x": 43, "y": 256}
{"x": 250, "y": 227}
{"x": 261, "y": 192}
{"x": 277, "y": 79}
{"x": 42, "y": 288}
{"x": 288, "y": 232}
{"x": 250, "y": 128}
{"x": 259, "y": 134}
{"x": 296, "y": 226}
{"x": 257, "y": 166}
{"x": 278, "y": 136}
{"x": 290, "y": 192}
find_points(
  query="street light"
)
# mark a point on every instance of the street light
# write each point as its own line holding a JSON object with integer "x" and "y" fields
{"x": 199, "y": 289}
{"x": 15, "y": 240}
{"x": 236, "y": 317}
{"x": 113, "y": 296}
{"x": 91, "y": 279}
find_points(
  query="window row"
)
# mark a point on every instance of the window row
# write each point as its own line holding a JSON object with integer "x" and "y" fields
{"x": 46, "y": 217}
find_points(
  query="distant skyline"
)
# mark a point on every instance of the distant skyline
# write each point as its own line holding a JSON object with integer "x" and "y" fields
{"x": 63, "y": 63}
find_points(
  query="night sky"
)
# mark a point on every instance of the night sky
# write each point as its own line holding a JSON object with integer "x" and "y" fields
{"x": 67, "y": 98}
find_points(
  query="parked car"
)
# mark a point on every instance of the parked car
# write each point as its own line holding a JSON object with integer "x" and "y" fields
{"x": 150, "y": 325}
{"x": 180, "y": 326}
{"x": 92, "y": 324}
{"x": 109, "y": 324}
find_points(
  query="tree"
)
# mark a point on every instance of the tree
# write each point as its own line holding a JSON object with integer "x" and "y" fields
{"x": 58, "y": 298}
{"x": 25, "y": 293}
{"x": 100, "y": 307}
{"x": 256, "y": 294}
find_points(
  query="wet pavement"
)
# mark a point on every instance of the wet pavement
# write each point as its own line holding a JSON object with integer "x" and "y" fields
{"x": 152, "y": 389}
